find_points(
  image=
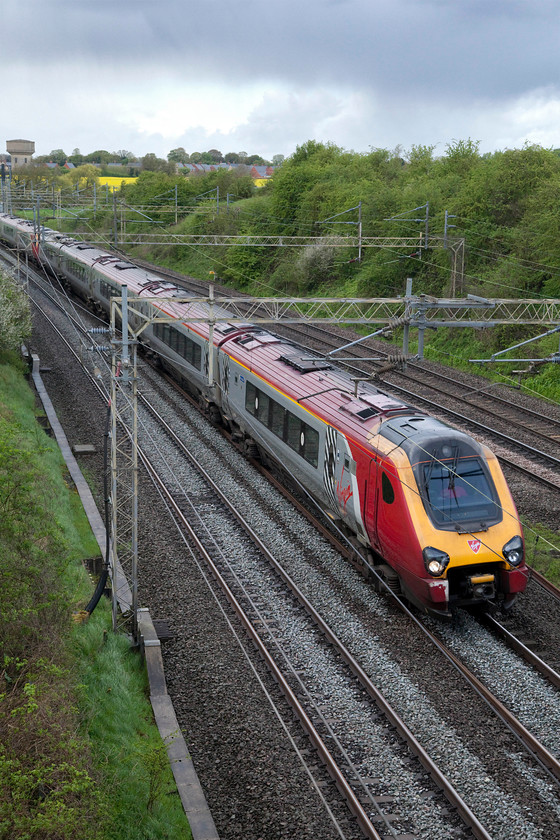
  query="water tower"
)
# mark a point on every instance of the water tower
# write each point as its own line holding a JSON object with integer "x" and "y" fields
{"x": 21, "y": 151}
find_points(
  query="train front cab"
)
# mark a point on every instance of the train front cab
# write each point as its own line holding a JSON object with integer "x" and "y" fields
{"x": 448, "y": 524}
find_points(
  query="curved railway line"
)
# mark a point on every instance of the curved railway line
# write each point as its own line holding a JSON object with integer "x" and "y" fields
{"x": 365, "y": 800}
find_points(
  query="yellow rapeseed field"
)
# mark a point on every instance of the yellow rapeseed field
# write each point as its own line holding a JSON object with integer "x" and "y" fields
{"x": 114, "y": 182}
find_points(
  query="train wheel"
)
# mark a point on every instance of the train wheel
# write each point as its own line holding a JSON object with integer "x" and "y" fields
{"x": 250, "y": 449}
{"x": 389, "y": 579}
{"x": 214, "y": 414}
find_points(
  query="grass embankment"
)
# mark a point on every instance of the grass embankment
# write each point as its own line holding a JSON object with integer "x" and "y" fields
{"x": 79, "y": 753}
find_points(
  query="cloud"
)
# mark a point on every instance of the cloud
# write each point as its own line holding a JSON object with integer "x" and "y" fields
{"x": 265, "y": 77}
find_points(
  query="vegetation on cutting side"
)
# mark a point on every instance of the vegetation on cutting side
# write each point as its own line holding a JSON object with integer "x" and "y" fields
{"x": 503, "y": 206}
{"x": 79, "y": 752}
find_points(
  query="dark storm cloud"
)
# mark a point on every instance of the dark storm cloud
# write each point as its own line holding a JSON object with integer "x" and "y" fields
{"x": 440, "y": 49}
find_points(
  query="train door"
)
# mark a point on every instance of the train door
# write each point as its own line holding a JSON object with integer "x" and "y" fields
{"x": 371, "y": 503}
{"x": 391, "y": 515}
{"x": 340, "y": 482}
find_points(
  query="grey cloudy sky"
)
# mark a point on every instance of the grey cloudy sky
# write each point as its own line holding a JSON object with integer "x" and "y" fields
{"x": 263, "y": 77}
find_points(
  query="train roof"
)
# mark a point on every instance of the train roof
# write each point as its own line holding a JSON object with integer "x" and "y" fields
{"x": 315, "y": 383}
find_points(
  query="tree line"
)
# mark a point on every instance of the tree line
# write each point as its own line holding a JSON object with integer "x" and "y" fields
{"x": 152, "y": 162}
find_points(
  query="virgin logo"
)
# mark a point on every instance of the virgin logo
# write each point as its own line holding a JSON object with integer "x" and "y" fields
{"x": 474, "y": 545}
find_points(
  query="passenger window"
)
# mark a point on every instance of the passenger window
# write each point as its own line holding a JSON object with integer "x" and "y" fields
{"x": 293, "y": 432}
{"x": 387, "y": 489}
{"x": 262, "y": 408}
{"x": 291, "y": 429}
{"x": 250, "y": 397}
{"x": 277, "y": 419}
{"x": 310, "y": 449}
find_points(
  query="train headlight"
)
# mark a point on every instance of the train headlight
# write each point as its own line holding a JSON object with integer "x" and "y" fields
{"x": 435, "y": 561}
{"x": 513, "y": 551}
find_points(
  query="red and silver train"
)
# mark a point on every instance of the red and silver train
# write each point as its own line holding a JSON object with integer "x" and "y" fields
{"x": 427, "y": 503}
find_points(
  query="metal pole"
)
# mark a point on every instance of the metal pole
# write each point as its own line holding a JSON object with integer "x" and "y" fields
{"x": 175, "y": 203}
{"x": 124, "y": 352}
{"x": 421, "y": 330}
{"x": 406, "y": 330}
{"x": 113, "y": 543}
{"x": 134, "y": 535}
{"x": 115, "y": 222}
{"x": 124, "y": 461}
{"x": 359, "y": 231}
{"x": 421, "y": 322}
{"x": 211, "y": 335}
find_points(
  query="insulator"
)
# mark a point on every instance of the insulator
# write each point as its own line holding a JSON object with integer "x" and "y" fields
{"x": 99, "y": 331}
{"x": 403, "y": 321}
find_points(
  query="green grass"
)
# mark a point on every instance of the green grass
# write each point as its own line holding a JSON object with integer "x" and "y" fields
{"x": 543, "y": 550}
{"x": 129, "y": 754}
{"x": 78, "y": 747}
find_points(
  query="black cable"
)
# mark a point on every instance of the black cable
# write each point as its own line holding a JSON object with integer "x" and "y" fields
{"x": 102, "y": 582}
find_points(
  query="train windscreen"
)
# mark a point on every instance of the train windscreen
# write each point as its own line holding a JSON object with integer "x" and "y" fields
{"x": 459, "y": 493}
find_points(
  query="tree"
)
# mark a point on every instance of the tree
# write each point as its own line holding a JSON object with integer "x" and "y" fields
{"x": 215, "y": 155}
{"x": 196, "y": 157}
{"x": 461, "y": 155}
{"x": 278, "y": 160}
{"x": 231, "y": 157}
{"x": 15, "y": 316}
{"x": 178, "y": 156}
{"x": 86, "y": 176}
{"x": 151, "y": 163}
{"x": 58, "y": 156}
{"x": 421, "y": 159}
{"x": 124, "y": 156}
{"x": 99, "y": 156}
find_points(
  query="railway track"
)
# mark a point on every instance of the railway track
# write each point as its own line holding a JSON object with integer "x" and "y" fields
{"x": 268, "y": 627}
